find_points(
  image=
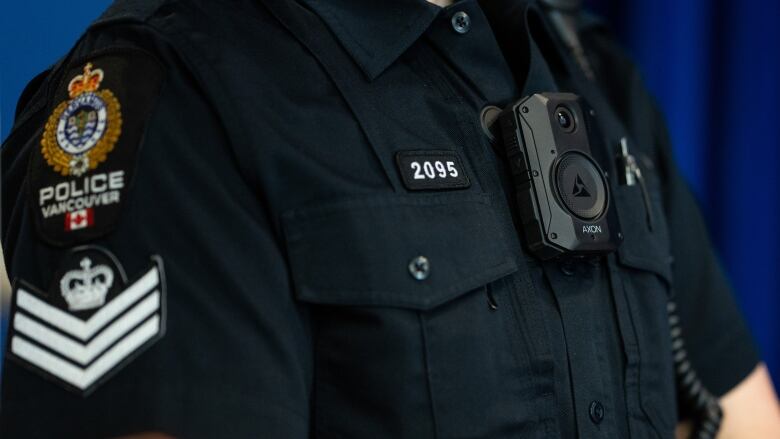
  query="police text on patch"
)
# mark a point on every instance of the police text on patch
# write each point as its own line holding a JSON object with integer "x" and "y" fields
{"x": 95, "y": 190}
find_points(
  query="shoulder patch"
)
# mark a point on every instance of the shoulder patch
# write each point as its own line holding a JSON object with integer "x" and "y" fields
{"x": 79, "y": 179}
{"x": 91, "y": 320}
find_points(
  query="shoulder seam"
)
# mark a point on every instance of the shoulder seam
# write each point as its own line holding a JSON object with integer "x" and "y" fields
{"x": 114, "y": 15}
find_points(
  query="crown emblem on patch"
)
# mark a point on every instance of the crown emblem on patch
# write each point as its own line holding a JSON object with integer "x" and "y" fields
{"x": 81, "y": 131}
{"x": 88, "y": 81}
{"x": 86, "y": 288}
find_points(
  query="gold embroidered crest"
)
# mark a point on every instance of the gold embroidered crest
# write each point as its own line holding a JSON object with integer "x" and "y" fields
{"x": 81, "y": 131}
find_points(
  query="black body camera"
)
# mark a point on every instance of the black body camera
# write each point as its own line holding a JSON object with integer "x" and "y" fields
{"x": 562, "y": 193}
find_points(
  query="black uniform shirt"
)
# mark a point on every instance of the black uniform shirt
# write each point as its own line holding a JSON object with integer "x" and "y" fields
{"x": 273, "y": 272}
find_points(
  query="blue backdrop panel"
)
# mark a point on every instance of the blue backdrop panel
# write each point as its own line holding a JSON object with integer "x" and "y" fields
{"x": 34, "y": 36}
{"x": 746, "y": 200}
{"x": 714, "y": 66}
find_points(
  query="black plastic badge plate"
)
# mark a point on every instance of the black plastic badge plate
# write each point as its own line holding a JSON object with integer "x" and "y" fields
{"x": 432, "y": 170}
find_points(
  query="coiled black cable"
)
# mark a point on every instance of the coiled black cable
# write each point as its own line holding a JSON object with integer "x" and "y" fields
{"x": 703, "y": 403}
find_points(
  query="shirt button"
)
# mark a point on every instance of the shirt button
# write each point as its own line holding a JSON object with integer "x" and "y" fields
{"x": 420, "y": 268}
{"x": 461, "y": 22}
{"x": 596, "y": 411}
{"x": 567, "y": 267}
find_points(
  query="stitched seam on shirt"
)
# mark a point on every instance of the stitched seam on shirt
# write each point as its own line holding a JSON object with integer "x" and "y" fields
{"x": 342, "y": 295}
{"x": 640, "y": 397}
{"x": 429, "y": 384}
{"x": 307, "y": 214}
{"x": 188, "y": 54}
{"x": 325, "y": 10}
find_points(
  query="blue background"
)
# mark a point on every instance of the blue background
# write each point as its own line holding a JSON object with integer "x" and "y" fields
{"x": 714, "y": 66}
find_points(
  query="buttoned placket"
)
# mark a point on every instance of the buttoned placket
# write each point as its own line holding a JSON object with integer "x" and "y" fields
{"x": 571, "y": 292}
{"x": 464, "y": 52}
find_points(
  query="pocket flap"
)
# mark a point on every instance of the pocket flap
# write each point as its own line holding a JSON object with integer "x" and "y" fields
{"x": 357, "y": 252}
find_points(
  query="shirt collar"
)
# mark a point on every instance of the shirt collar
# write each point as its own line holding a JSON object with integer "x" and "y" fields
{"x": 375, "y": 32}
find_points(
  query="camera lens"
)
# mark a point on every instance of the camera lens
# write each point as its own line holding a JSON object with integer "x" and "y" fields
{"x": 565, "y": 119}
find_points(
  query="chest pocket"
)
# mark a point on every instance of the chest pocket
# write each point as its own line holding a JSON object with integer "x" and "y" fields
{"x": 407, "y": 252}
{"x": 406, "y": 348}
{"x": 645, "y": 273}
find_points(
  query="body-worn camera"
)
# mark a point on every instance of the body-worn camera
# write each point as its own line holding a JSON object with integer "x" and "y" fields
{"x": 562, "y": 193}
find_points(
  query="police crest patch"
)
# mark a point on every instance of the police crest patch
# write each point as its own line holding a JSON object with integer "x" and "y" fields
{"x": 88, "y": 147}
{"x": 90, "y": 322}
{"x": 82, "y": 131}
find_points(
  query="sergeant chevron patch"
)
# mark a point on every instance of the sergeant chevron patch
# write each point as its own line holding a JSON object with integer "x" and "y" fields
{"x": 90, "y": 322}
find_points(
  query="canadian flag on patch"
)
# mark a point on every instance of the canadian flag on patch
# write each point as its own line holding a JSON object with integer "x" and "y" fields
{"x": 79, "y": 219}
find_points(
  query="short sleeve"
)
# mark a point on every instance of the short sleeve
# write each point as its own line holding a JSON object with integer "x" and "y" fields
{"x": 717, "y": 337}
{"x": 719, "y": 342}
{"x": 171, "y": 311}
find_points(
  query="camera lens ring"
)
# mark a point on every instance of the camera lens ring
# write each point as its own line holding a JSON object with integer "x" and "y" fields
{"x": 580, "y": 185}
{"x": 565, "y": 118}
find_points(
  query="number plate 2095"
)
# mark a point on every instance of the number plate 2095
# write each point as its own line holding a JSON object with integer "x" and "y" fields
{"x": 431, "y": 170}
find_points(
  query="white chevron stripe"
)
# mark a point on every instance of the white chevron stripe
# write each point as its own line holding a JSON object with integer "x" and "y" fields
{"x": 83, "y": 378}
{"x": 85, "y": 353}
{"x": 79, "y": 328}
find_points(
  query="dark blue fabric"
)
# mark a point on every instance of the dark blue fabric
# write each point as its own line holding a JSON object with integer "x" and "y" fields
{"x": 714, "y": 66}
